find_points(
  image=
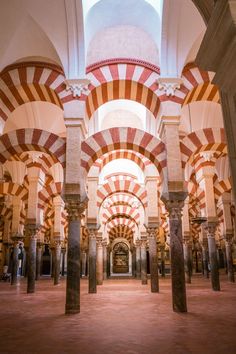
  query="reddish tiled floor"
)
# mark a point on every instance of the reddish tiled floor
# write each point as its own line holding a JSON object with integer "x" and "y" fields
{"x": 123, "y": 317}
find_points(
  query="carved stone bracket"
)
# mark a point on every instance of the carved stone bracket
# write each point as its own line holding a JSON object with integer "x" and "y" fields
{"x": 77, "y": 86}
{"x": 32, "y": 230}
{"x": 169, "y": 85}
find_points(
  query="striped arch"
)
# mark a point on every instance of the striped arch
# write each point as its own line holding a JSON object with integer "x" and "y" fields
{"x": 121, "y": 199}
{"x": 129, "y": 187}
{"x": 48, "y": 192}
{"x": 208, "y": 139}
{"x": 28, "y": 82}
{"x": 9, "y": 188}
{"x": 122, "y": 210}
{"x": 122, "y": 79}
{"x": 121, "y": 231}
{"x": 122, "y": 89}
{"x": 45, "y": 161}
{"x": 136, "y": 157}
{"x": 123, "y": 138}
{"x": 198, "y": 86}
{"x": 18, "y": 141}
{"x": 221, "y": 187}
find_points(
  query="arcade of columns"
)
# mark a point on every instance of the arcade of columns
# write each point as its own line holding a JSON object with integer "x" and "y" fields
{"x": 50, "y": 191}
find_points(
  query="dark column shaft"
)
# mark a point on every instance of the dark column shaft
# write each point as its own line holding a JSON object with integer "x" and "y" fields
{"x": 57, "y": 262}
{"x": 31, "y": 264}
{"x": 73, "y": 268}
{"x": 104, "y": 261}
{"x": 63, "y": 262}
{"x": 187, "y": 263}
{"x": 133, "y": 262}
{"x": 153, "y": 259}
{"x": 143, "y": 263}
{"x": 177, "y": 261}
{"x": 230, "y": 267}
{"x": 138, "y": 261}
{"x": 15, "y": 263}
{"x": 38, "y": 261}
{"x": 205, "y": 261}
{"x": 163, "y": 261}
{"x": 92, "y": 263}
{"x": 215, "y": 279}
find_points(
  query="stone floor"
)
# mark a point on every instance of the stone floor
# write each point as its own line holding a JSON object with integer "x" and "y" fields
{"x": 122, "y": 318}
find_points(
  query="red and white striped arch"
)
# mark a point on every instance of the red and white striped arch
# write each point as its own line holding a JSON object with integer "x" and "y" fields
{"x": 121, "y": 199}
{"x": 48, "y": 192}
{"x": 9, "y": 188}
{"x": 123, "y": 138}
{"x": 123, "y": 79}
{"x": 18, "y": 141}
{"x": 221, "y": 187}
{"x": 136, "y": 157}
{"x": 30, "y": 81}
{"x": 208, "y": 139}
{"x": 128, "y": 211}
{"x": 197, "y": 85}
{"x": 121, "y": 231}
{"x": 129, "y": 187}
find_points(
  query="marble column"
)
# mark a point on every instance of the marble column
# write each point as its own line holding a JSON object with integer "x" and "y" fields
{"x": 104, "y": 245}
{"x": 74, "y": 208}
{"x": 162, "y": 249}
{"x": 108, "y": 261}
{"x": 138, "y": 259}
{"x": 133, "y": 261}
{"x": 225, "y": 204}
{"x": 92, "y": 260}
{"x": 153, "y": 259}
{"x": 15, "y": 260}
{"x": 38, "y": 260}
{"x": 215, "y": 279}
{"x": 144, "y": 261}
{"x": 229, "y": 258}
{"x": 57, "y": 261}
{"x": 99, "y": 261}
{"x": 187, "y": 248}
{"x": 174, "y": 208}
{"x": 63, "y": 253}
{"x": 83, "y": 262}
{"x": 31, "y": 231}
{"x": 205, "y": 257}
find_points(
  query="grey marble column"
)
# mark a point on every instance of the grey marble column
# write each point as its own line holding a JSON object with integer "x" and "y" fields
{"x": 83, "y": 262}
{"x": 32, "y": 231}
{"x": 108, "y": 261}
{"x": 187, "y": 248}
{"x": 138, "y": 259}
{"x": 63, "y": 252}
{"x": 153, "y": 259}
{"x": 15, "y": 260}
{"x": 144, "y": 261}
{"x": 99, "y": 260}
{"x": 205, "y": 258}
{"x": 162, "y": 249}
{"x": 92, "y": 261}
{"x": 230, "y": 267}
{"x": 74, "y": 208}
{"x": 38, "y": 260}
{"x": 133, "y": 261}
{"x": 104, "y": 245}
{"x": 57, "y": 261}
{"x": 215, "y": 279}
{"x": 175, "y": 208}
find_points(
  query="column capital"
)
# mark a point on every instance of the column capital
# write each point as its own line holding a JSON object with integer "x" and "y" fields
{"x": 174, "y": 203}
{"x": 74, "y": 206}
{"x": 92, "y": 231}
{"x": 32, "y": 229}
{"x": 137, "y": 243}
{"x": 210, "y": 226}
{"x": 152, "y": 230}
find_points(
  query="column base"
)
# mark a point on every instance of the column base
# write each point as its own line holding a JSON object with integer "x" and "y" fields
{"x": 72, "y": 311}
